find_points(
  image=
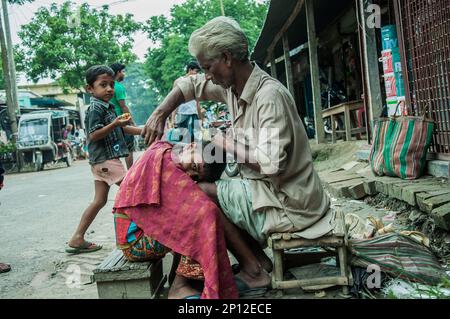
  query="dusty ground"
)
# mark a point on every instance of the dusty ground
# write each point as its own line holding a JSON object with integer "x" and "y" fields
{"x": 411, "y": 218}
{"x": 327, "y": 156}
{"x": 39, "y": 212}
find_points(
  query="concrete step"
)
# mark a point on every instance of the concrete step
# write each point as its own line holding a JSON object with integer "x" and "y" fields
{"x": 434, "y": 168}
{"x": 438, "y": 168}
{"x": 441, "y": 216}
{"x": 429, "y": 204}
{"x": 431, "y": 195}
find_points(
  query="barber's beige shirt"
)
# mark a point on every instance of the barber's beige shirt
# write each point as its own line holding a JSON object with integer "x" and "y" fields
{"x": 288, "y": 188}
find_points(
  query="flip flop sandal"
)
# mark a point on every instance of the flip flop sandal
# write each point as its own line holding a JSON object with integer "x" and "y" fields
{"x": 245, "y": 291}
{"x": 4, "y": 268}
{"x": 87, "y": 247}
{"x": 192, "y": 297}
{"x": 236, "y": 269}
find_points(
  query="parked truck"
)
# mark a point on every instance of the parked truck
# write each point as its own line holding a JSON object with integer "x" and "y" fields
{"x": 41, "y": 141}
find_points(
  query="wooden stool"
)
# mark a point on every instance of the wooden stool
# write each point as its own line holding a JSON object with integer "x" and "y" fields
{"x": 118, "y": 278}
{"x": 337, "y": 239}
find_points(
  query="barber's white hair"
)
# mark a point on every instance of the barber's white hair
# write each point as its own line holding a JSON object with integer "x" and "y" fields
{"x": 218, "y": 36}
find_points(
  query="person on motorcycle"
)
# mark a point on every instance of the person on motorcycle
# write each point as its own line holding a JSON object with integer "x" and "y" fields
{"x": 68, "y": 138}
{"x": 83, "y": 144}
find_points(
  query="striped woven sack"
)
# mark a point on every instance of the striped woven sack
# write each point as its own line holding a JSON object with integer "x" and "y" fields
{"x": 400, "y": 146}
{"x": 398, "y": 256}
{"x": 376, "y": 158}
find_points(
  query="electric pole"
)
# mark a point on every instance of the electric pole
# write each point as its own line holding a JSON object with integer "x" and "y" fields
{"x": 9, "y": 70}
{"x": 12, "y": 64}
{"x": 222, "y": 8}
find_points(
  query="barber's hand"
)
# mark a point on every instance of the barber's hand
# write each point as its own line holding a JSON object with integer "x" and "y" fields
{"x": 219, "y": 139}
{"x": 154, "y": 128}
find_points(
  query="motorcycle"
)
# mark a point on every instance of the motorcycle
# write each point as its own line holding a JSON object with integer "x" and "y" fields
{"x": 333, "y": 95}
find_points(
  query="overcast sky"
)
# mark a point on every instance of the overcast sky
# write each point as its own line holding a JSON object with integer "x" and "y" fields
{"x": 141, "y": 9}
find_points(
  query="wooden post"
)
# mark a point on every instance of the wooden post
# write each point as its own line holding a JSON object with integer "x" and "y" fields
{"x": 348, "y": 124}
{"x": 277, "y": 274}
{"x": 12, "y": 65}
{"x": 362, "y": 68}
{"x": 333, "y": 129}
{"x": 343, "y": 264}
{"x": 273, "y": 66}
{"x": 222, "y": 9}
{"x": 288, "y": 66}
{"x": 284, "y": 29}
{"x": 314, "y": 66}
{"x": 8, "y": 85}
{"x": 371, "y": 72}
{"x": 402, "y": 49}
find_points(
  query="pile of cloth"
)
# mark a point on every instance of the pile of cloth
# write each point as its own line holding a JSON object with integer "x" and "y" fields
{"x": 372, "y": 227}
{"x": 400, "y": 255}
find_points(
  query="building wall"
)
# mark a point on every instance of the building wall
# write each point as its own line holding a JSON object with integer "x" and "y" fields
{"x": 53, "y": 90}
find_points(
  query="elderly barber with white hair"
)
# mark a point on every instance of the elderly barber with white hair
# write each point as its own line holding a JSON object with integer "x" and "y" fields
{"x": 278, "y": 189}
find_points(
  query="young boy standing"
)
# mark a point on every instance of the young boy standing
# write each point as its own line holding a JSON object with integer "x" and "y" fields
{"x": 106, "y": 144}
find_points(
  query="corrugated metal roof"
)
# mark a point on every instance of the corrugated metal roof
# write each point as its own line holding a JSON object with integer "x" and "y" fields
{"x": 279, "y": 12}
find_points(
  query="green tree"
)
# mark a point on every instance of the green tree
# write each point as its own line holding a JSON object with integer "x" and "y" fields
{"x": 2, "y": 79}
{"x": 166, "y": 62}
{"x": 20, "y": 2}
{"x": 141, "y": 98}
{"x": 62, "y": 42}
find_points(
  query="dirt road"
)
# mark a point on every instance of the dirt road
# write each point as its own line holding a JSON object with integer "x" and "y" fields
{"x": 38, "y": 213}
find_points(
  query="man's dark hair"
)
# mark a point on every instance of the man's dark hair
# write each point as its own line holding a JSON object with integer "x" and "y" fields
{"x": 95, "y": 71}
{"x": 117, "y": 67}
{"x": 193, "y": 65}
{"x": 214, "y": 170}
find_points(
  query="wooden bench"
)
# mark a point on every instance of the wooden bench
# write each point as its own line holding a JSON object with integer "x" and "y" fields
{"x": 337, "y": 239}
{"x": 118, "y": 278}
{"x": 346, "y": 109}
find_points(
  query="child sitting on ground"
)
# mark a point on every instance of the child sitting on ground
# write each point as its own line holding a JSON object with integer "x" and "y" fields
{"x": 106, "y": 144}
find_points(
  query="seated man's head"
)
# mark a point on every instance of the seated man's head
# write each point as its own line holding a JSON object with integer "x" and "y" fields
{"x": 220, "y": 46}
{"x": 202, "y": 162}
